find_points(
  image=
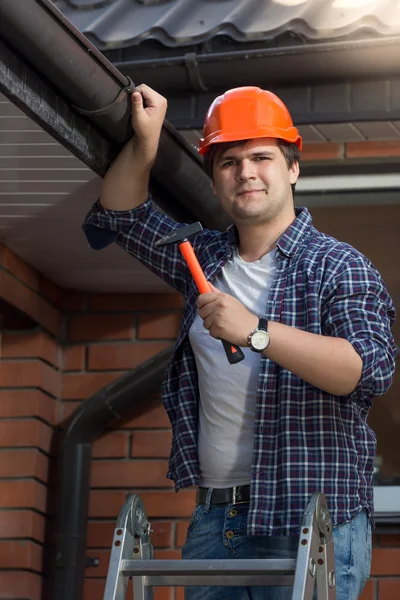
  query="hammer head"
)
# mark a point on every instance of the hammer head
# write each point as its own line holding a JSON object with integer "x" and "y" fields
{"x": 179, "y": 235}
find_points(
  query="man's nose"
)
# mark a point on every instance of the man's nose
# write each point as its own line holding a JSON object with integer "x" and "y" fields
{"x": 245, "y": 170}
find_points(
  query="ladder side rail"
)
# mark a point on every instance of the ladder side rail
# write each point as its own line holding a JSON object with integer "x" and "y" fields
{"x": 117, "y": 581}
{"x": 326, "y": 575}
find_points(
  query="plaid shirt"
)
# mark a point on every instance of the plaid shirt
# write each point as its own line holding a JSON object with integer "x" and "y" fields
{"x": 305, "y": 440}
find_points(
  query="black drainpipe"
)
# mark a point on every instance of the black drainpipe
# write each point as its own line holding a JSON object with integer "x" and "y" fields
{"x": 131, "y": 395}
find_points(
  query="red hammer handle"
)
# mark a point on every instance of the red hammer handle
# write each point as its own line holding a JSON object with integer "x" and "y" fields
{"x": 233, "y": 353}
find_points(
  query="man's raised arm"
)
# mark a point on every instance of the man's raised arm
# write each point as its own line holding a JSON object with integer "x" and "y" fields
{"x": 126, "y": 182}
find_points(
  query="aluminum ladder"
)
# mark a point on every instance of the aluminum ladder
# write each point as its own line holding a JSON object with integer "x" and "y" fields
{"x": 132, "y": 556}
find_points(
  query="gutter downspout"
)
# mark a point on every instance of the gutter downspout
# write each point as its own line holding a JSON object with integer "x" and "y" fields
{"x": 131, "y": 395}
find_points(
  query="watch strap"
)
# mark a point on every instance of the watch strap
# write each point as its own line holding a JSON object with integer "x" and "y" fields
{"x": 263, "y": 324}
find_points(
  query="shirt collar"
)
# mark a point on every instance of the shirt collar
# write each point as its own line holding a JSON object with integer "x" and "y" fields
{"x": 289, "y": 241}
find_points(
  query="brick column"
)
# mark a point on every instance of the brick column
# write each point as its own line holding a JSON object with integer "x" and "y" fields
{"x": 29, "y": 388}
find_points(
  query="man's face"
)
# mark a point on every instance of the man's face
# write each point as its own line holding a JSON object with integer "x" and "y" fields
{"x": 253, "y": 182}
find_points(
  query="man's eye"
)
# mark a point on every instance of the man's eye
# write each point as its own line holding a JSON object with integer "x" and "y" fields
{"x": 228, "y": 163}
{"x": 262, "y": 158}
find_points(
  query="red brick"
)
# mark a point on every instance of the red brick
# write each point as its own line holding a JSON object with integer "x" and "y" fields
{"x": 159, "y": 327}
{"x": 389, "y": 589}
{"x": 27, "y": 403}
{"x": 75, "y": 301}
{"x": 167, "y": 554}
{"x": 66, "y": 409}
{"x": 24, "y": 433}
{"x": 74, "y": 358}
{"x": 32, "y": 373}
{"x": 100, "y": 534}
{"x": 385, "y": 561}
{"x": 93, "y": 589}
{"x": 389, "y": 540}
{"x": 22, "y": 524}
{"x": 179, "y": 593}
{"x": 20, "y": 269}
{"x": 368, "y": 592}
{"x": 25, "y": 585}
{"x": 23, "y": 494}
{"x": 23, "y": 298}
{"x": 181, "y": 531}
{"x": 129, "y": 474}
{"x": 168, "y": 504}
{"x": 81, "y": 386}
{"x": 153, "y": 418}
{"x": 164, "y": 593}
{"x": 151, "y": 444}
{"x": 100, "y": 327}
{"x": 112, "y": 445}
{"x": 23, "y": 463}
{"x": 106, "y": 504}
{"x": 372, "y": 149}
{"x": 161, "y": 533}
{"x": 51, "y": 291}
{"x": 135, "y": 302}
{"x": 20, "y": 554}
{"x": 122, "y": 356}
{"x": 31, "y": 344}
{"x": 321, "y": 151}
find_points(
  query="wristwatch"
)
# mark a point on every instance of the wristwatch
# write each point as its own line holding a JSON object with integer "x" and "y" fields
{"x": 258, "y": 339}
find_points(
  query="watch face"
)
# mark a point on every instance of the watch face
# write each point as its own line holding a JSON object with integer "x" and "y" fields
{"x": 260, "y": 340}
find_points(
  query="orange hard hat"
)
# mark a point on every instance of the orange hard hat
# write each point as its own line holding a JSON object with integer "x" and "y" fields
{"x": 245, "y": 113}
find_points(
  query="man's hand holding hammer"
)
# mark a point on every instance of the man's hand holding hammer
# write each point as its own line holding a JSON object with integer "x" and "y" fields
{"x": 125, "y": 185}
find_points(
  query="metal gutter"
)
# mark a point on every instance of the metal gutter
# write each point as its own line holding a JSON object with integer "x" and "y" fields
{"x": 128, "y": 397}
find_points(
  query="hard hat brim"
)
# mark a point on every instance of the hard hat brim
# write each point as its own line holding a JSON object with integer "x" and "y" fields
{"x": 288, "y": 135}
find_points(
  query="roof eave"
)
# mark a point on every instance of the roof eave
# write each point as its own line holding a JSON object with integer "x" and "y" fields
{"x": 48, "y": 86}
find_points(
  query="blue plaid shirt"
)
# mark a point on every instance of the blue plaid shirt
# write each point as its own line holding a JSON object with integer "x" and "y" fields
{"x": 305, "y": 440}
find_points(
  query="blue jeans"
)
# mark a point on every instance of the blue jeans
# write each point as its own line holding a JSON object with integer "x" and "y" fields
{"x": 207, "y": 538}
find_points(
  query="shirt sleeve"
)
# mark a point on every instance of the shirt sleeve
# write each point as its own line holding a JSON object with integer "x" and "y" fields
{"x": 359, "y": 309}
{"x": 136, "y": 231}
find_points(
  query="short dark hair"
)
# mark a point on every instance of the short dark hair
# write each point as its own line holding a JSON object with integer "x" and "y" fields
{"x": 289, "y": 150}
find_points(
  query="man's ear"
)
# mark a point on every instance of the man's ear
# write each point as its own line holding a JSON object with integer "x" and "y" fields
{"x": 213, "y": 188}
{"x": 294, "y": 172}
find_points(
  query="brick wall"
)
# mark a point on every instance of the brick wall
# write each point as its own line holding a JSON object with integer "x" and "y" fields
{"x": 69, "y": 345}
{"x": 107, "y": 334}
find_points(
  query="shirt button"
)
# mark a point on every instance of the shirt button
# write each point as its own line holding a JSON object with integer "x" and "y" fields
{"x": 230, "y": 535}
{"x": 233, "y": 512}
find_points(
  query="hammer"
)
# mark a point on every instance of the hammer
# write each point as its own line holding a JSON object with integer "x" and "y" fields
{"x": 180, "y": 236}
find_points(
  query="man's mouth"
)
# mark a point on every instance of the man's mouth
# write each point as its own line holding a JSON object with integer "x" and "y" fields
{"x": 248, "y": 192}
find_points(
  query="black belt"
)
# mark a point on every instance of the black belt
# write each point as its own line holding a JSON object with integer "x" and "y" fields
{"x": 234, "y": 495}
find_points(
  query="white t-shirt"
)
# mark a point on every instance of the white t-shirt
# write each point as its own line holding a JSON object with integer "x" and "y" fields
{"x": 228, "y": 392}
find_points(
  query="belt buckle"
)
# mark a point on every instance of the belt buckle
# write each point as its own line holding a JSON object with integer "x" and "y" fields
{"x": 235, "y": 493}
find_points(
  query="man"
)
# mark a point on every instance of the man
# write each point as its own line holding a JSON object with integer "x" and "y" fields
{"x": 313, "y": 318}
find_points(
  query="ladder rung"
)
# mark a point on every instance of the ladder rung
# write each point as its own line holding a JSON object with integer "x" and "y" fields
{"x": 179, "y": 568}
{"x": 211, "y": 579}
